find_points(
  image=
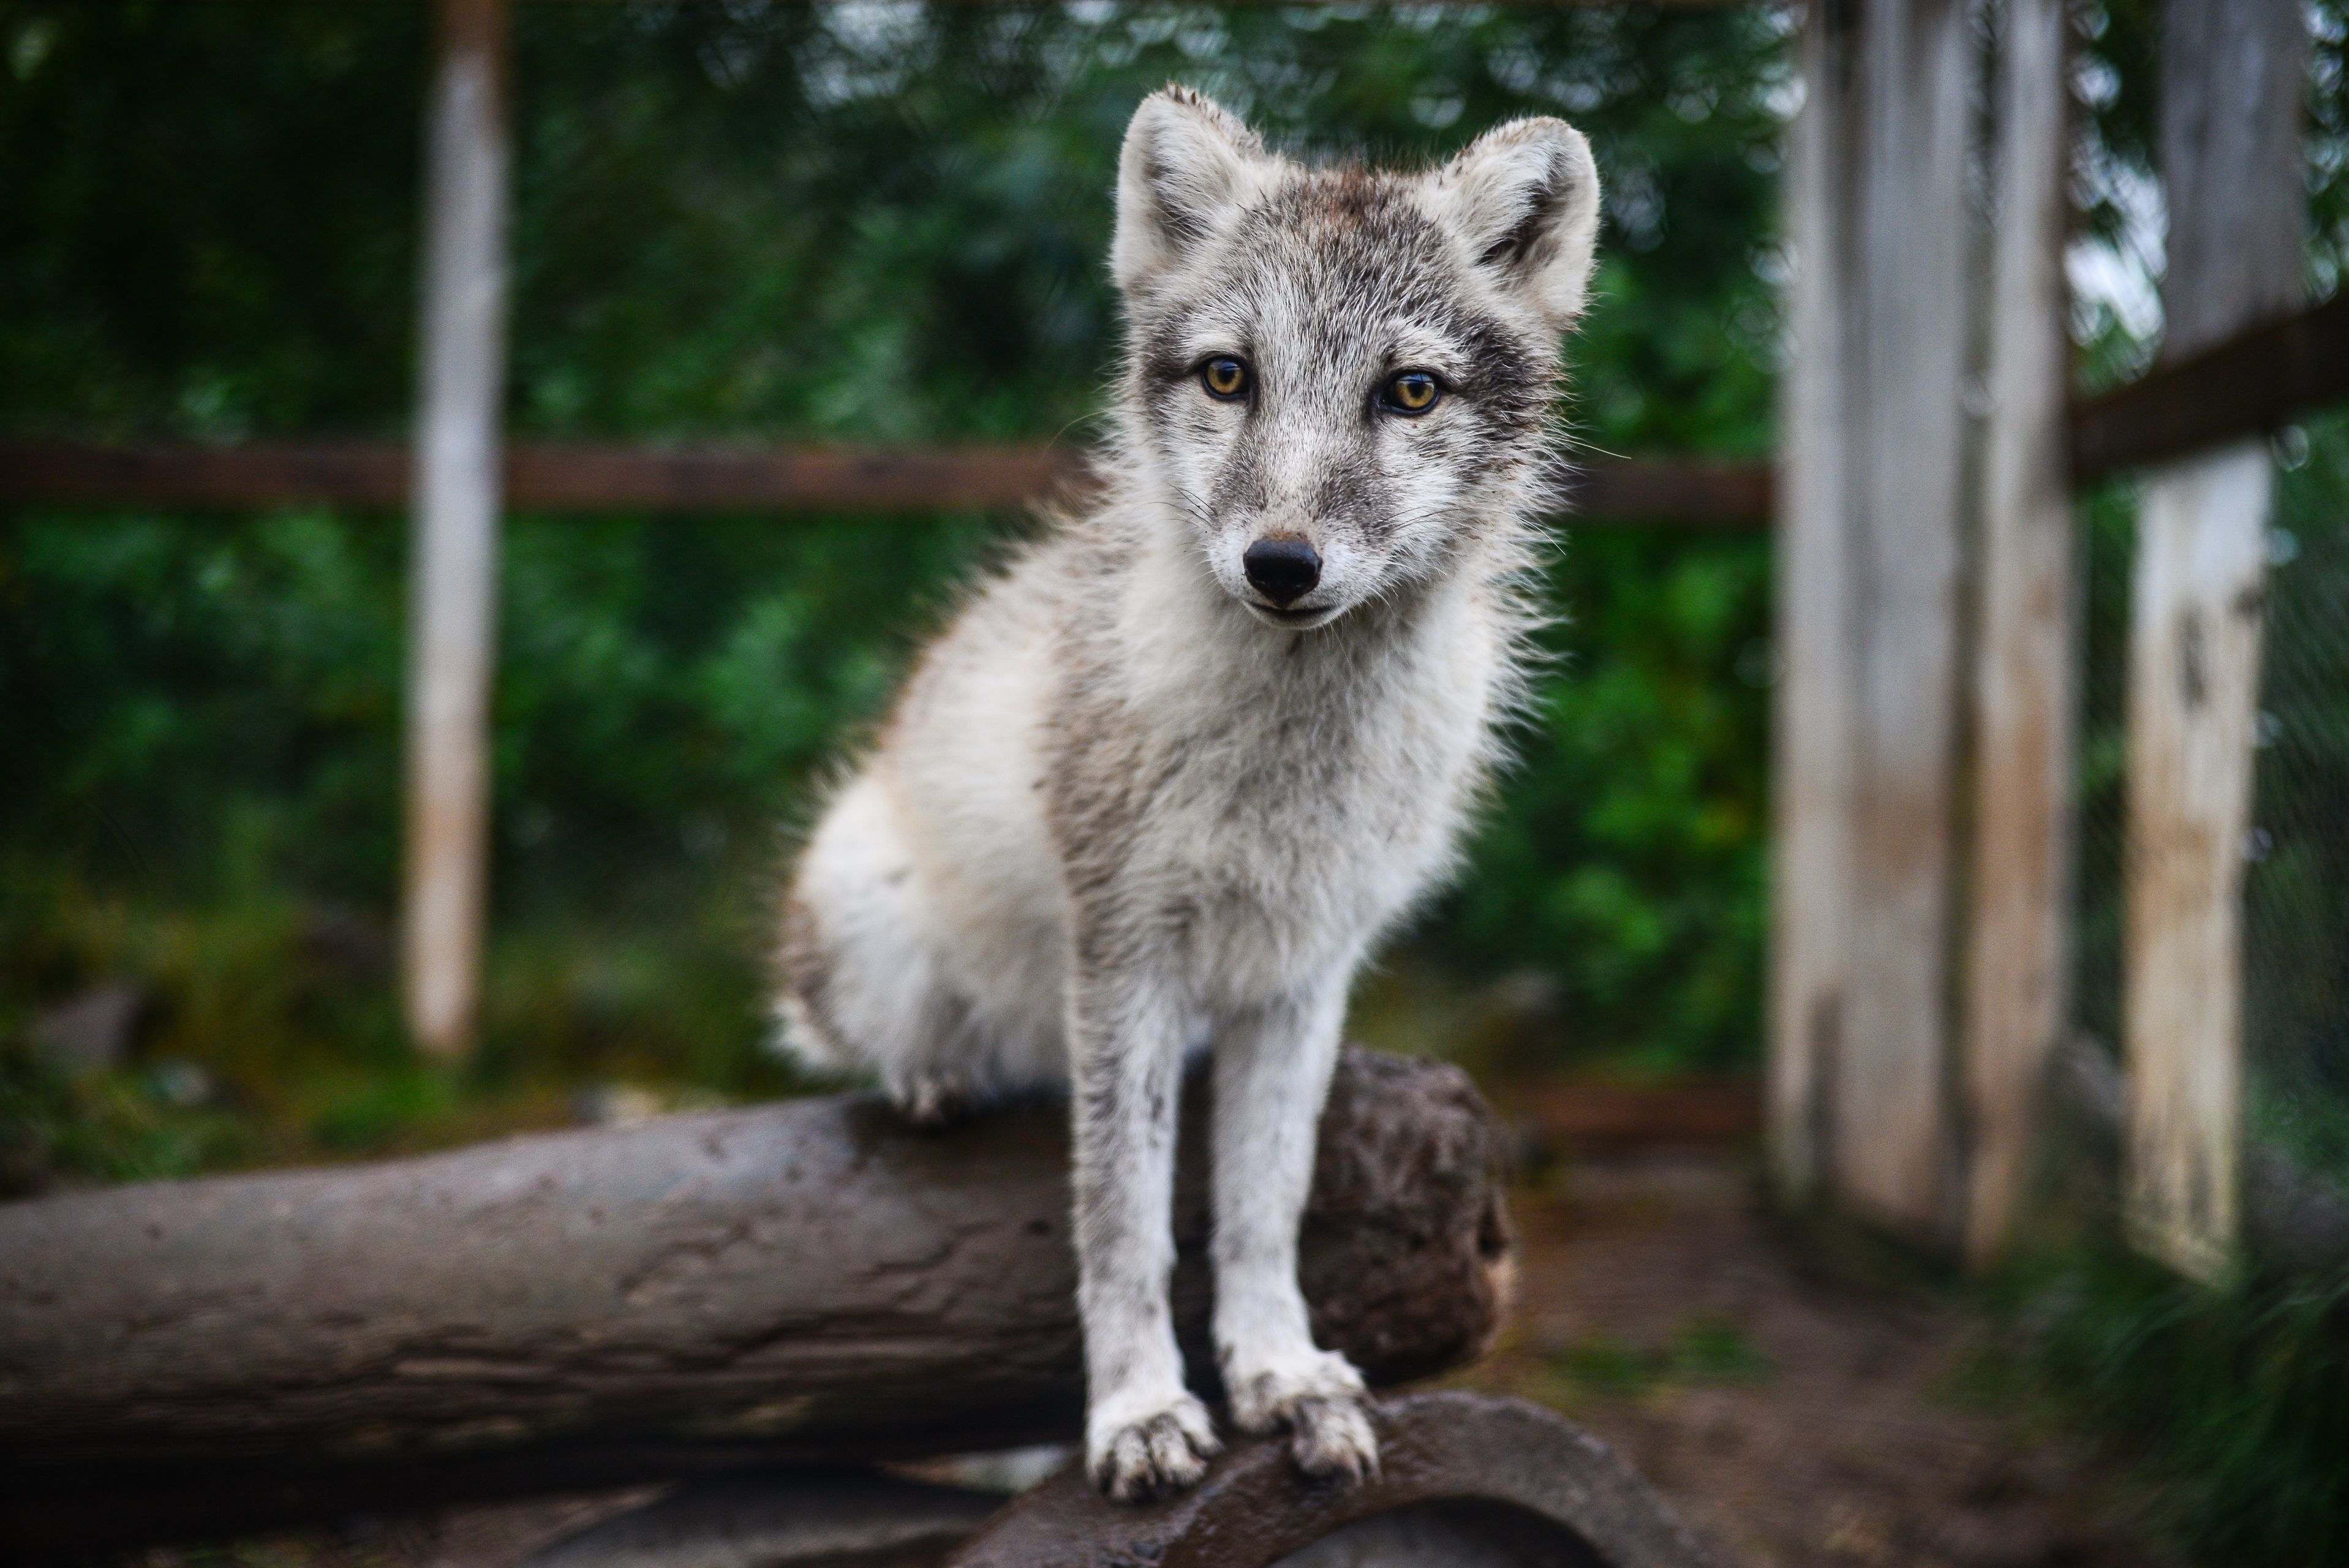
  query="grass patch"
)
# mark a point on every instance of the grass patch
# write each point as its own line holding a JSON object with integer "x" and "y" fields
{"x": 110, "y": 1127}
{"x": 1700, "y": 1350}
{"x": 267, "y": 1029}
{"x": 2229, "y": 1406}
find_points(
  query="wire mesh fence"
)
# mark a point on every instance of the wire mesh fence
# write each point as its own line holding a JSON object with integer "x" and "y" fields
{"x": 2295, "y": 915}
{"x": 2296, "y": 904}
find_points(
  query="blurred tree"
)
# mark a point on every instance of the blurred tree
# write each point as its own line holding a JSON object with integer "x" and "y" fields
{"x": 882, "y": 222}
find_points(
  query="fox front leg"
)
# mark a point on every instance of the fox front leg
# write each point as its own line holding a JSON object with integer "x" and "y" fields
{"x": 1272, "y": 1073}
{"x": 1145, "y": 1433}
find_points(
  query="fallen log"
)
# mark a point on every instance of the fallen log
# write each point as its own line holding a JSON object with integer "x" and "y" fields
{"x": 812, "y": 1280}
{"x": 1466, "y": 1481}
{"x": 828, "y": 1516}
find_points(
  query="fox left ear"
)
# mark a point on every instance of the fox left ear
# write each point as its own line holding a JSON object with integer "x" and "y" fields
{"x": 1523, "y": 198}
{"x": 1187, "y": 165}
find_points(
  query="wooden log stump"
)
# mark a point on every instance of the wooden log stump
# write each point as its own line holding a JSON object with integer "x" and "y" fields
{"x": 1466, "y": 1481}
{"x": 809, "y": 1281}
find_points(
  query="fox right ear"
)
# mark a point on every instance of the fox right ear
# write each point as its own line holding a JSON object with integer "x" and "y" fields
{"x": 1186, "y": 164}
{"x": 1523, "y": 198}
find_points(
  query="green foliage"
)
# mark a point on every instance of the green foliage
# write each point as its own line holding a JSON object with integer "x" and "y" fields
{"x": 873, "y": 224}
{"x": 109, "y": 1127}
{"x": 209, "y": 223}
{"x": 2230, "y": 1406}
{"x": 1625, "y": 856}
{"x": 885, "y": 222}
{"x": 1700, "y": 1350}
{"x": 2296, "y": 887}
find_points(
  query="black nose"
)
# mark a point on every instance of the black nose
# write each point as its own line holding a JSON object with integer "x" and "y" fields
{"x": 1283, "y": 568}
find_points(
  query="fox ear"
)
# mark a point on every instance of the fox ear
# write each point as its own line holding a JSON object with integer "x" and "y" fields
{"x": 1523, "y": 198}
{"x": 1186, "y": 163}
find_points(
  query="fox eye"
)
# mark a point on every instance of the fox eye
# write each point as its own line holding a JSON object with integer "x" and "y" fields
{"x": 1225, "y": 377}
{"x": 1411, "y": 392}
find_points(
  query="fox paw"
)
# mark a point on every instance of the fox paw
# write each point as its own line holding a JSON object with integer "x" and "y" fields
{"x": 1320, "y": 1402}
{"x": 1154, "y": 1454}
{"x": 1332, "y": 1438}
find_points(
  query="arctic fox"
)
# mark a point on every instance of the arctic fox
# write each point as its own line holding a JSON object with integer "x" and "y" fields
{"x": 1165, "y": 779}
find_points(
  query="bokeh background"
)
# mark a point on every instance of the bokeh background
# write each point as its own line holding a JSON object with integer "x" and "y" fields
{"x": 882, "y": 222}
{"x": 875, "y": 223}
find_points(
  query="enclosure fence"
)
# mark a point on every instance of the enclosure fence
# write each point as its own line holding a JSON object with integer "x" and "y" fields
{"x": 1927, "y": 729}
{"x": 1924, "y": 925}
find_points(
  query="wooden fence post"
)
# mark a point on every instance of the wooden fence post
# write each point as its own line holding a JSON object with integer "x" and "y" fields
{"x": 1869, "y": 608}
{"x": 1810, "y": 840}
{"x": 452, "y": 620}
{"x": 2027, "y": 654}
{"x": 2230, "y": 124}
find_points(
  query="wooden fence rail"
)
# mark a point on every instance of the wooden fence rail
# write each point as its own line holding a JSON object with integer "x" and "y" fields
{"x": 2253, "y": 383}
{"x": 2250, "y": 383}
{"x": 599, "y": 478}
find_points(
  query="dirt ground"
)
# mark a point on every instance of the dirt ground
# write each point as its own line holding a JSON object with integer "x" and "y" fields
{"x": 1801, "y": 1420}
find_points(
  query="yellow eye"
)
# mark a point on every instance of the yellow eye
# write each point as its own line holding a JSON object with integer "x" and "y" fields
{"x": 1413, "y": 392}
{"x": 1226, "y": 378}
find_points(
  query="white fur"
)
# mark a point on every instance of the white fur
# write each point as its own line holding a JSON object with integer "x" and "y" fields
{"x": 1539, "y": 171}
{"x": 1120, "y": 814}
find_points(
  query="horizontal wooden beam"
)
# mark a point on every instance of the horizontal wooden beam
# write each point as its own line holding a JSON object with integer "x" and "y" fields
{"x": 592, "y": 478}
{"x": 1587, "y": 1115}
{"x": 2247, "y": 385}
{"x": 369, "y": 475}
{"x": 2250, "y": 385}
{"x": 714, "y": 478}
{"x": 1691, "y": 492}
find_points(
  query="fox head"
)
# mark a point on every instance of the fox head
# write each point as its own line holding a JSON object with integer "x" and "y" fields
{"x": 1339, "y": 378}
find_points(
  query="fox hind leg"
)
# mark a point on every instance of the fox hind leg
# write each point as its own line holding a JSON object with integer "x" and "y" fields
{"x": 865, "y": 986}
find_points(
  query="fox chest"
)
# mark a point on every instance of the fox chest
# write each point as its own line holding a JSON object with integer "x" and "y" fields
{"x": 1278, "y": 841}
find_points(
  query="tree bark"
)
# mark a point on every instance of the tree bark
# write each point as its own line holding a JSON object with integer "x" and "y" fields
{"x": 1466, "y": 1481}
{"x": 810, "y": 1280}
